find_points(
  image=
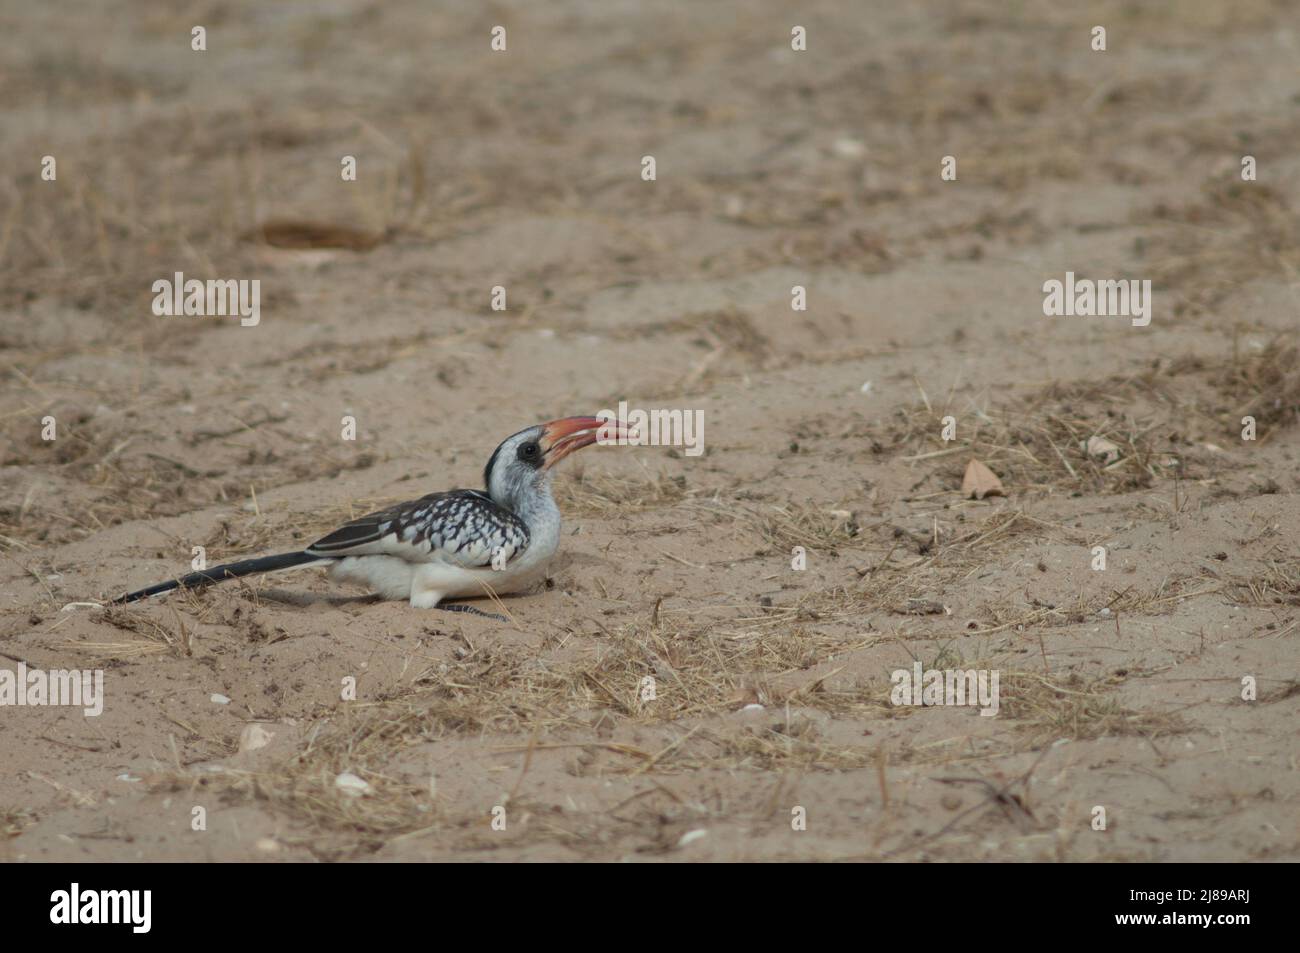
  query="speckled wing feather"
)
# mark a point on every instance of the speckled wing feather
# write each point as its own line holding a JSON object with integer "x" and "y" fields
{"x": 460, "y": 527}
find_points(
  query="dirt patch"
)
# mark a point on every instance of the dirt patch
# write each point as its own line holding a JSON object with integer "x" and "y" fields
{"x": 716, "y": 651}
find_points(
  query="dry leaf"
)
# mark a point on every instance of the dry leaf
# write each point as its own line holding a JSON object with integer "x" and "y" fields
{"x": 980, "y": 481}
{"x": 254, "y": 736}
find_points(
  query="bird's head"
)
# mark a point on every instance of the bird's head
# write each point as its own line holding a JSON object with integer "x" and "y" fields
{"x": 520, "y": 467}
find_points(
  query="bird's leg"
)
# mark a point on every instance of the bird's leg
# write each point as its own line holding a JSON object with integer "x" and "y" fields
{"x": 461, "y": 607}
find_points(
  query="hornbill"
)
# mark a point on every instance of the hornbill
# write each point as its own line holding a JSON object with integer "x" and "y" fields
{"x": 453, "y": 544}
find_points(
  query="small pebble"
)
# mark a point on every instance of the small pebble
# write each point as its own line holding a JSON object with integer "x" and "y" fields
{"x": 691, "y": 836}
{"x": 351, "y": 785}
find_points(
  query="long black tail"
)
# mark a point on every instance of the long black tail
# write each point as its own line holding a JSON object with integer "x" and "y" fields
{"x": 246, "y": 567}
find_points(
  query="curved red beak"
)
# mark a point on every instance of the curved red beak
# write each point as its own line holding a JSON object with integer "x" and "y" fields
{"x": 562, "y": 437}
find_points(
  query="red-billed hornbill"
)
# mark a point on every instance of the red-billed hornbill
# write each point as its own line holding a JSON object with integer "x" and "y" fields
{"x": 445, "y": 545}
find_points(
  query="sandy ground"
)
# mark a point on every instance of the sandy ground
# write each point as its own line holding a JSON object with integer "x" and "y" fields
{"x": 1120, "y": 689}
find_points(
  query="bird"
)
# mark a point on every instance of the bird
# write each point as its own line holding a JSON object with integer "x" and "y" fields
{"x": 447, "y": 545}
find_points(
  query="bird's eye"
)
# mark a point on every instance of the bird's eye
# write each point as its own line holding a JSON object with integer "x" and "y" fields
{"x": 529, "y": 451}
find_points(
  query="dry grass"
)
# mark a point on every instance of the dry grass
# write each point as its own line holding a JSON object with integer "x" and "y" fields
{"x": 796, "y": 524}
{"x": 786, "y": 525}
{"x": 607, "y": 496}
{"x": 784, "y": 746}
{"x": 1265, "y": 385}
{"x": 1158, "y": 421}
{"x": 1276, "y": 583}
{"x": 96, "y": 241}
{"x": 115, "y": 482}
{"x": 1048, "y": 708}
{"x": 1237, "y": 233}
{"x": 516, "y": 693}
{"x": 1100, "y": 608}
{"x": 908, "y": 571}
{"x": 550, "y": 700}
{"x": 156, "y": 638}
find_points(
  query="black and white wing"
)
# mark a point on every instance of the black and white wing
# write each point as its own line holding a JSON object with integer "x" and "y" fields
{"x": 459, "y": 527}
